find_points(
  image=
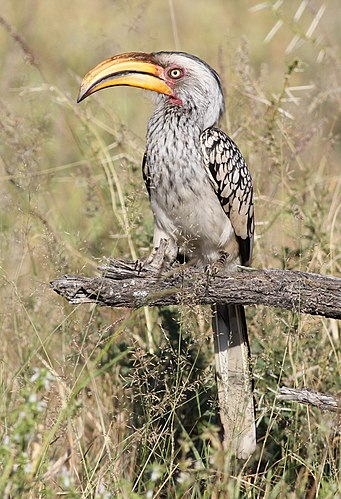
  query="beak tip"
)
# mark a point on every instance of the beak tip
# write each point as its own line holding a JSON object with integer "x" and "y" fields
{"x": 81, "y": 96}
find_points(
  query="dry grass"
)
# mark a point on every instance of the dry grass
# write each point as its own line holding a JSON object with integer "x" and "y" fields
{"x": 112, "y": 403}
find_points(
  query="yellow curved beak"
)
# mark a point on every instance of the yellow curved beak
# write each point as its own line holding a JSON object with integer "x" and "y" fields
{"x": 135, "y": 69}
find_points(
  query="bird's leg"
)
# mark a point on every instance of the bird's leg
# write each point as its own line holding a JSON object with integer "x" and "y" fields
{"x": 157, "y": 257}
{"x": 220, "y": 265}
{"x": 160, "y": 258}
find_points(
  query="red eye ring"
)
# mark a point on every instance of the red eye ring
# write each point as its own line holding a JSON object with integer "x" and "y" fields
{"x": 175, "y": 73}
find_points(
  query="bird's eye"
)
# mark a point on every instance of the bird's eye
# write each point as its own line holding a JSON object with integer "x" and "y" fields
{"x": 175, "y": 73}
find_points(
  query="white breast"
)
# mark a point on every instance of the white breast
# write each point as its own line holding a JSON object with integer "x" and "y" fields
{"x": 185, "y": 206}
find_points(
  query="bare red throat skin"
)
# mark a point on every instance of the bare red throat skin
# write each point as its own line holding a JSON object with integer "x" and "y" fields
{"x": 175, "y": 100}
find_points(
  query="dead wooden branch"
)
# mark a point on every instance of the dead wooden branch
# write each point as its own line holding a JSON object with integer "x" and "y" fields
{"x": 122, "y": 285}
{"x": 310, "y": 397}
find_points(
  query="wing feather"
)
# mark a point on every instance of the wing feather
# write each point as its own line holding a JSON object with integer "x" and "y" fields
{"x": 232, "y": 182}
{"x": 146, "y": 174}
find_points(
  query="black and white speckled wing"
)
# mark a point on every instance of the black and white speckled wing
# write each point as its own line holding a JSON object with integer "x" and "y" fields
{"x": 232, "y": 182}
{"x": 146, "y": 173}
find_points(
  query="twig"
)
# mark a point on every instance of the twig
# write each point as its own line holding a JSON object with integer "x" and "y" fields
{"x": 309, "y": 397}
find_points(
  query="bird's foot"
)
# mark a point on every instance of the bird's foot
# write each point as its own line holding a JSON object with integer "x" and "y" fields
{"x": 214, "y": 268}
{"x": 156, "y": 262}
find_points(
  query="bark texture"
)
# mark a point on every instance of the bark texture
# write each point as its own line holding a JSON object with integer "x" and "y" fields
{"x": 123, "y": 285}
{"x": 305, "y": 396}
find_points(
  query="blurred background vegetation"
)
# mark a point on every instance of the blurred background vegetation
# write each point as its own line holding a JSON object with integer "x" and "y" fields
{"x": 112, "y": 403}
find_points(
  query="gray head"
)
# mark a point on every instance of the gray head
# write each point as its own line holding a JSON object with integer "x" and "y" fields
{"x": 178, "y": 78}
{"x": 196, "y": 86}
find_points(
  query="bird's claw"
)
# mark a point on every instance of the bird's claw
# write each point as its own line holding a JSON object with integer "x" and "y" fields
{"x": 156, "y": 261}
{"x": 218, "y": 266}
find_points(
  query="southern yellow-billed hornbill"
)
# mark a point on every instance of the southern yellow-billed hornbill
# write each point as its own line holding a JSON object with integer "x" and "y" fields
{"x": 201, "y": 195}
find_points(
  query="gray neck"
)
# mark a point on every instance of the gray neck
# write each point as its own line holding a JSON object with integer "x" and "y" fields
{"x": 173, "y": 126}
{"x": 173, "y": 149}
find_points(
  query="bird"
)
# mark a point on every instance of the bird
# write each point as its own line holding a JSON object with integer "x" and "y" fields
{"x": 201, "y": 196}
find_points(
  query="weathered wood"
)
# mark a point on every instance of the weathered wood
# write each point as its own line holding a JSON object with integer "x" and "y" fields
{"x": 122, "y": 285}
{"x": 310, "y": 397}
